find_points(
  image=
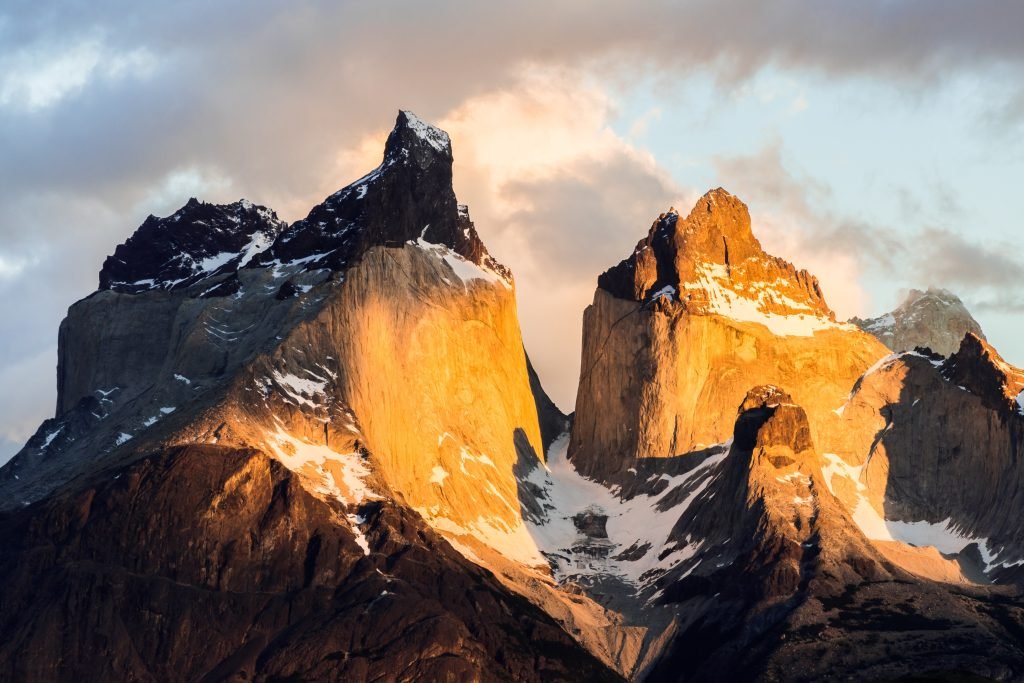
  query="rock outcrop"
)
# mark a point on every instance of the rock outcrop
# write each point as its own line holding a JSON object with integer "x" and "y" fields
{"x": 212, "y": 563}
{"x": 935, "y": 319}
{"x": 939, "y": 458}
{"x": 780, "y": 573}
{"x": 679, "y": 331}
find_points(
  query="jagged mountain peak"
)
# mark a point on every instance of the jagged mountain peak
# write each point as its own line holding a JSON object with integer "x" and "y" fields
{"x": 769, "y": 417}
{"x": 977, "y": 367}
{"x": 195, "y": 242}
{"x": 710, "y": 262}
{"x": 409, "y": 198}
{"x": 415, "y": 139}
{"x": 934, "y": 317}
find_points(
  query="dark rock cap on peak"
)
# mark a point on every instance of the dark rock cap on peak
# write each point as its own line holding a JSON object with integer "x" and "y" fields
{"x": 408, "y": 198}
{"x": 768, "y": 417}
{"x": 416, "y": 139}
{"x": 196, "y": 241}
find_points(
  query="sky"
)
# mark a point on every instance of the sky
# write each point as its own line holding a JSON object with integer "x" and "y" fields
{"x": 877, "y": 143}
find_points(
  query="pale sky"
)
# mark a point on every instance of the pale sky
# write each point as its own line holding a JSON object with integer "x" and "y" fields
{"x": 877, "y": 143}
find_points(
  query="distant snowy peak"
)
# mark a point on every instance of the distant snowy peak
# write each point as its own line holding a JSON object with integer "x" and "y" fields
{"x": 710, "y": 263}
{"x": 934, "y": 318}
{"x": 197, "y": 241}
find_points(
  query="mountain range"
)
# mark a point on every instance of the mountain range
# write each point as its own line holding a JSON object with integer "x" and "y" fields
{"x": 319, "y": 451}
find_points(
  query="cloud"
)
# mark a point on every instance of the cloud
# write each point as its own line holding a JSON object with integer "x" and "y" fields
{"x": 30, "y": 384}
{"x": 947, "y": 257}
{"x": 110, "y": 110}
{"x": 39, "y": 77}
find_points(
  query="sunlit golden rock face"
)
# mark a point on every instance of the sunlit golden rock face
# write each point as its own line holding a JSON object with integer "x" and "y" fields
{"x": 415, "y": 367}
{"x": 679, "y": 332}
{"x": 435, "y": 374}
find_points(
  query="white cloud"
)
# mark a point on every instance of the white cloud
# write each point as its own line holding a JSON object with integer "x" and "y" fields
{"x": 178, "y": 186}
{"x": 40, "y": 76}
{"x": 11, "y": 266}
{"x": 30, "y": 381}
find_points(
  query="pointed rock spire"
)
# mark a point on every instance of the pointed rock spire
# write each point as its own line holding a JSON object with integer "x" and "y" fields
{"x": 713, "y": 262}
{"x": 408, "y": 198}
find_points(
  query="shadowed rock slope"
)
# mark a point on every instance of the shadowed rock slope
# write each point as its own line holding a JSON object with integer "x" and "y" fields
{"x": 210, "y": 563}
{"x": 787, "y": 588}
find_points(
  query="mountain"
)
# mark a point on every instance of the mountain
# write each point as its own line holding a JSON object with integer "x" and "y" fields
{"x": 935, "y": 319}
{"x": 253, "y": 420}
{"x": 680, "y": 330}
{"x": 319, "y": 451}
{"x": 839, "y": 510}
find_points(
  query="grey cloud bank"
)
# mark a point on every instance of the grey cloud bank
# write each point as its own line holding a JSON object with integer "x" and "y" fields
{"x": 113, "y": 110}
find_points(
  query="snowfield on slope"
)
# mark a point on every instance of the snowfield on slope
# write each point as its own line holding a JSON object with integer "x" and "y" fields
{"x": 555, "y": 541}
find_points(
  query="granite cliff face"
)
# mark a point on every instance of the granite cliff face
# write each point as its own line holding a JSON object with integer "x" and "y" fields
{"x": 935, "y": 319}
{"x": 684, "y": 327}
{"x": 350, "y": 331}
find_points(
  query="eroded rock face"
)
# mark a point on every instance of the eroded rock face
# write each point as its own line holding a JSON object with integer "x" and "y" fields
{"x": 938, "y": 462}
{"x": 935, "y": 319}
{"x": 783, "y": 575}
{"x": 678, "y": 333}
{"x": 124, "y": 577}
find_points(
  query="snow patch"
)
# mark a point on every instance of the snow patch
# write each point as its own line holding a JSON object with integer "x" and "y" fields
{"x": 464, "y": 269}
{"x": 302, "y": 457}
{"x": 355, "y": 521}
{"x": 553, "y": 540}
{"x": 301, "y": 389}
{"x": 724, "y": 301}
{"x": 435, "y": 137}
{"x": 668, "y": 292}
{"x": 438, "y": 475}
{"x": 51, "y": 436}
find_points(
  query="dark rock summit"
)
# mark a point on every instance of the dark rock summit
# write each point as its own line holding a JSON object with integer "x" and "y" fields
{"x": 196, "y": 242}
{"x": 409, "y": 197}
